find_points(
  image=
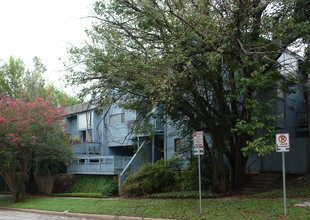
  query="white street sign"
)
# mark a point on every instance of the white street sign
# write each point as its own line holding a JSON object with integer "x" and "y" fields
{"x": 198, "y": 139}
{"x": 283, "y": 149}
{"x": 198, "y": 151}
{"x": 283, "y": 142}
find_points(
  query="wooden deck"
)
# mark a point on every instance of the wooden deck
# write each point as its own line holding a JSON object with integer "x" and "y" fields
{"x": 103, "y": 165}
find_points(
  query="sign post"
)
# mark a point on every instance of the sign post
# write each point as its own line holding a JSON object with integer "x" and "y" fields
{"x": 283, "y": 143}
{"x": 198, "y": 150}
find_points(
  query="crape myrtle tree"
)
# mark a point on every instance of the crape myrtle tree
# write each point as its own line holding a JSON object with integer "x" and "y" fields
{"x": 30, "y": 132}
{"x": 211, "y": 65}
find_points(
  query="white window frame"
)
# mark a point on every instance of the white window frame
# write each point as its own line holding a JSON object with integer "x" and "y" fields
{"x": 84, "y": 121}
{"x": 117, "y": 119}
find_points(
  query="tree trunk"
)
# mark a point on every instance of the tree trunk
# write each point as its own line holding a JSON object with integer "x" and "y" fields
{"x": 9, "y": 176}
{"x": 238, "y": 164}
{"x": 218, "y": 168}
{"x": 31, "y": 186}
{"x": 22, "y": 182}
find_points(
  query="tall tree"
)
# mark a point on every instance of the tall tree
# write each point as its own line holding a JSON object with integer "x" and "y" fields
{"x": 18, "y": 82}
{"x": 212, "y": 65}
{"x": 11, "y": 74}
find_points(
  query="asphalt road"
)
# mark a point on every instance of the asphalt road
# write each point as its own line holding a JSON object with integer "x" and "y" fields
{"x": 11, "y": 215}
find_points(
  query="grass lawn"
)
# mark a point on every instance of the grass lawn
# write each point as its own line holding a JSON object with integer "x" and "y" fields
{"x": 168, "y": 208}
{"x": 268, "y": 205}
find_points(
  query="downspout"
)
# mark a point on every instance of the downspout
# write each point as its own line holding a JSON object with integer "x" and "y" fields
{"x": 165, "y": 143}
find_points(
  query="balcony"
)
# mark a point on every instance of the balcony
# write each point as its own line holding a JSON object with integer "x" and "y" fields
{"x": 86, "y": 148}
{"x": 104, "y": 165}
{"x": 301, "y": 121}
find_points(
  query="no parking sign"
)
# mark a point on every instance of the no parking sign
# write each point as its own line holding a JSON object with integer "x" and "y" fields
{"x": 283, "y": 142}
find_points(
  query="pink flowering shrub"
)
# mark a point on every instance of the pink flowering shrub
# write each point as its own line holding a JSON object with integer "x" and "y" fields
{"x": 30, "y": 132}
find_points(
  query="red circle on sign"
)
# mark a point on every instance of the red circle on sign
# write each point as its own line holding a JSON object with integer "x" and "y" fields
{"x": 282, "y": 139}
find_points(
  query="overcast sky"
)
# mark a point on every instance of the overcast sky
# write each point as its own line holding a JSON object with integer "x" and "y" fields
{"x": 43, "y": 28}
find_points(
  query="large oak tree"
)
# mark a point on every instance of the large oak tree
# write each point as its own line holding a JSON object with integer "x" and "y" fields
{"x": 211, "y": 64}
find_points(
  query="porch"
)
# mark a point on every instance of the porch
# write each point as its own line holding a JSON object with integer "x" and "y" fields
{"x": 108, "y": 165}
{"x": 86, "y": 148}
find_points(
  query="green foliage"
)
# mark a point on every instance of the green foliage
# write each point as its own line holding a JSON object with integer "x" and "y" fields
{"x": 212, "y": 65}
{"x": 30, "y": 132}
{"x": 102, "y": 186}
{"x": 169, "y": 208}
{"x": 18, "y": 82}
{"x": 160, "y": 177}
{"x": 188, "y": 179}
{"x": 11, "y": 77}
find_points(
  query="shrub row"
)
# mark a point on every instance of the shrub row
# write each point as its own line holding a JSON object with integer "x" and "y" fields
{"x": 95, "y": 185}
{"x": 163, "y": 177}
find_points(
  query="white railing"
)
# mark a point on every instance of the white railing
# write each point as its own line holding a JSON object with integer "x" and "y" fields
{"x": 98, "y": 165}
{"x": 86, "y": 148}
{"x": 127, "y": 169}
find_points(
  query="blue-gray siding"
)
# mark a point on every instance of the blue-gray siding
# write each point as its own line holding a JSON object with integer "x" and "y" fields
{"x": 297, "y": 160}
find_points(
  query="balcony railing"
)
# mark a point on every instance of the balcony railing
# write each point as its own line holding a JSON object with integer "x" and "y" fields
{"x": 301, "y": 119}
{"x": 98, "y": 165}
{"x": 86, "y": 148}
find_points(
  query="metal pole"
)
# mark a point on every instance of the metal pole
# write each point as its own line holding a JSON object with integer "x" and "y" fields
{"x": 283, "y": 172}
{"x": 199, "y": 182}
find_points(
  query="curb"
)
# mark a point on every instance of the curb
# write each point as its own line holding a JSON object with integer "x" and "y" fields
{"x": 77, "y": 215}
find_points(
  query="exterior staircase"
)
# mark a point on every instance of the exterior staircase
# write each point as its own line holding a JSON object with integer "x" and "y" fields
{"x": 261, "y": 182}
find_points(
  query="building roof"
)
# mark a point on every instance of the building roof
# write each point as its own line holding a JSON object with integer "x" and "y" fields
{"x": 79, "y": 108}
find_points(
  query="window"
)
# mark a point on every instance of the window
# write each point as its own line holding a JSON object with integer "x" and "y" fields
{"x": 178, "y": 144}
{"x": 84, "y": 120}
{"x": 117, "y": 119}
{"x": 90, "y": 135}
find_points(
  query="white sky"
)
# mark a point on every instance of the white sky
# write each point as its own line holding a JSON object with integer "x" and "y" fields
{"x": 43, "y": 28}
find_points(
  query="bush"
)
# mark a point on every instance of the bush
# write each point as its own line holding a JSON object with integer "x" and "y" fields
{"x": 95, "y": 185}
{"x": 159, "y": 177}
{"x": 188, "y": 180}
{"x": 183, "y": 195}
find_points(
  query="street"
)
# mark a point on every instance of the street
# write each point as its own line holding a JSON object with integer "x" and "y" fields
{"x": 12, "y": 215}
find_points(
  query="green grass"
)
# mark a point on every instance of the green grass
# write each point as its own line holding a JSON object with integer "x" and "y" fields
{"x": 176, "y": 209}
{"x": 267, "y": 205}
{"x": 183, "y": 195}
{"x": 84, "y": 195}
{"x": 90, "y": 186}
{"x": 295, "y": 187}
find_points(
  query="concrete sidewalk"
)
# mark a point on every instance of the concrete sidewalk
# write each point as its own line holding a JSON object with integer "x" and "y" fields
{"x": 77, "y": 215}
